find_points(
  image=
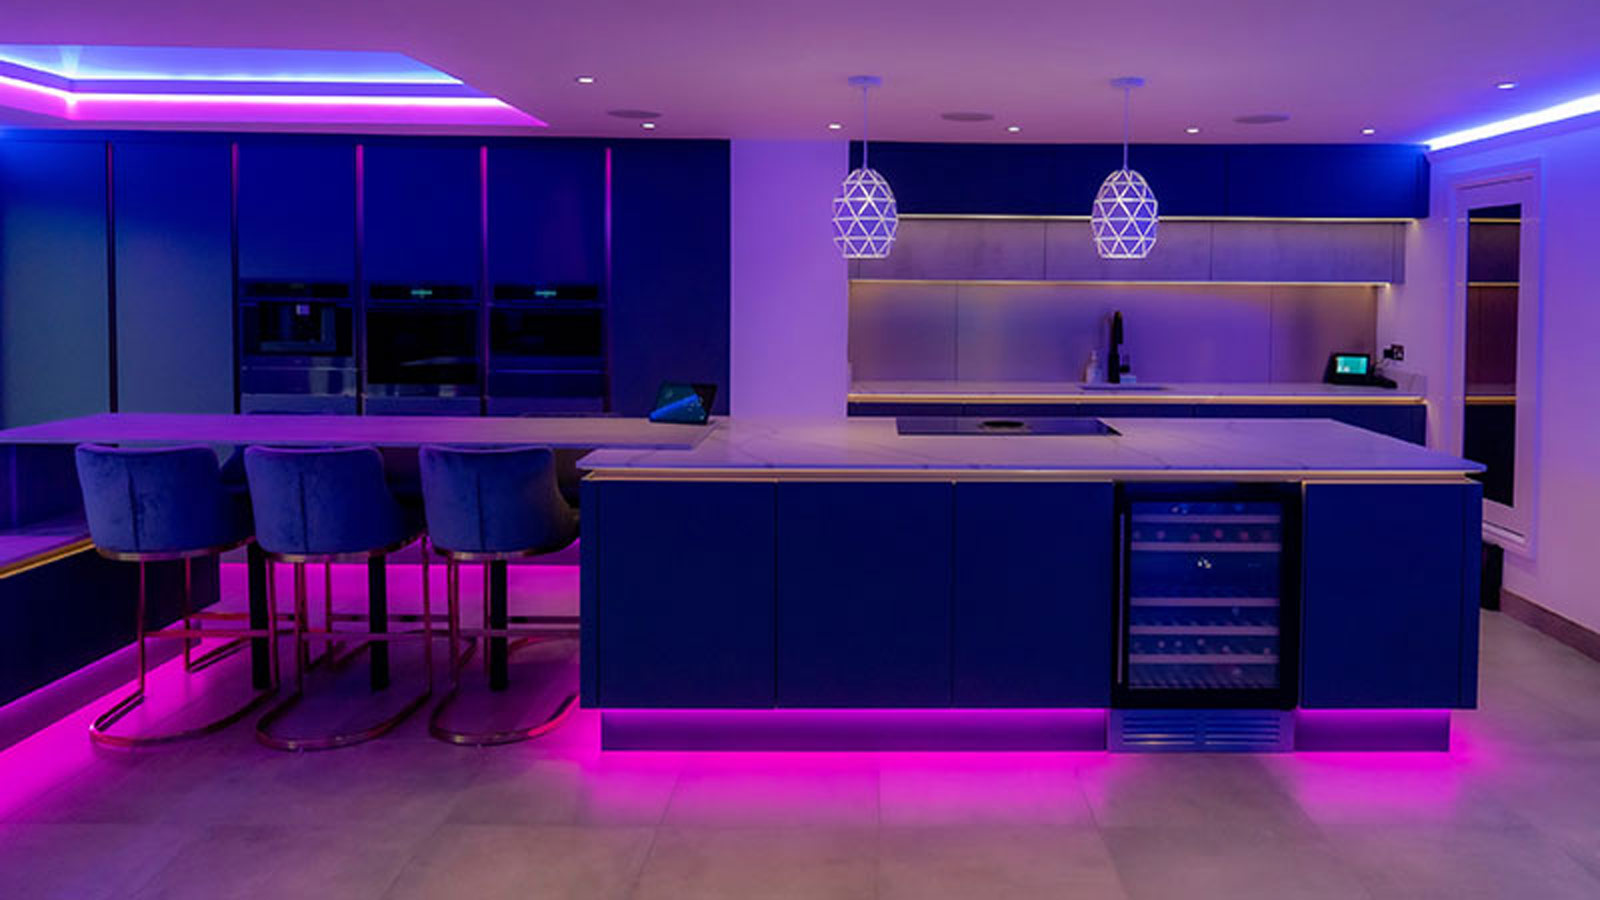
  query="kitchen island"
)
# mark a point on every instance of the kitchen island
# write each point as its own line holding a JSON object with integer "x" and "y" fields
{"x": 841, "y": 584}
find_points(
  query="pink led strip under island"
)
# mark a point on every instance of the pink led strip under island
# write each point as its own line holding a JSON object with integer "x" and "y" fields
{"x": 975, "y": 729}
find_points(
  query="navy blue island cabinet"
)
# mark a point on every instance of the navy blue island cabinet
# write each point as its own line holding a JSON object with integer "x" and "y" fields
{"x": 920, "y": 593}
{"x": 846, "y": 594}
{"x": 1389, "y": 614}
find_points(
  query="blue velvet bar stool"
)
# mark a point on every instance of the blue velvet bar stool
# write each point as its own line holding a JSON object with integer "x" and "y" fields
{"x": 324, "y": 505}
{"x": 491, "y": 505}
{"x": 163, "y": 504}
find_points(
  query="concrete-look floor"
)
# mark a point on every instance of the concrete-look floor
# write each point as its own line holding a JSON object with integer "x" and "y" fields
{"x": 1513, "y": 810}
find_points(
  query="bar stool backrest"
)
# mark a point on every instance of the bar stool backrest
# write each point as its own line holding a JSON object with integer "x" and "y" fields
{"x": 322, "y": 501}
{"x": 157, "y": 501}
{"x": 494, "y": 500}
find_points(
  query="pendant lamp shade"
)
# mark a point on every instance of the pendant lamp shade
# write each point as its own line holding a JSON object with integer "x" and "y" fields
{"x": 1123, "y": 221}
{"x": 865, "y": 215}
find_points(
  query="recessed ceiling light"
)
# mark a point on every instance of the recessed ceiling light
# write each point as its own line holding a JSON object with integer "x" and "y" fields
{"x": 1506, "y": 85}
{"x": 584, "y": 79}
{"x": 647, "y": 126}
{"x": 834, "y": 126}
{"x": 966, "y": 116}
{"x": 1192, "y": 129}
{"x": 1369, "y": 131}
{"x": 1013, "y": 128}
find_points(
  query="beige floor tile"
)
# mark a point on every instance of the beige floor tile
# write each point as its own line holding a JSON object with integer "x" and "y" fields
{"x": 1228, "y": 862}
{"x": 85, "y": 862}
{"x": 489, "y": 862}
{"x": 996, "y": 863}
{"x": 1461, "y": 863}
{"x": 772, "y": 864}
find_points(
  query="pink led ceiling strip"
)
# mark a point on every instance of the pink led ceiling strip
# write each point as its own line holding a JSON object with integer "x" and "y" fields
{"x": 286, "y": 101}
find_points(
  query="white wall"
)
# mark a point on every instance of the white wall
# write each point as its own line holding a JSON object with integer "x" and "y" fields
{"x": 1563, "y": 574}
{"x": 790, "y": 309}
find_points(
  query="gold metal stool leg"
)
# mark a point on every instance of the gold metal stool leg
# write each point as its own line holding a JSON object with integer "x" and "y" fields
{"x": 367, "y": 641}
{"x": 100, "y": 729}
{"x": 458, "y": 663}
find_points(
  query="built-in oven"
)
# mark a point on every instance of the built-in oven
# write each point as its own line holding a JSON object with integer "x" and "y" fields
{"x": 422, "y": 349}
{"x": 297, "y": 347}
{"x": 547, "y": 349}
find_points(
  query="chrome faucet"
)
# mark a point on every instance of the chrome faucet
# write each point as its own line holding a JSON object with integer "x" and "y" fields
{"x": 1116, "y": 358}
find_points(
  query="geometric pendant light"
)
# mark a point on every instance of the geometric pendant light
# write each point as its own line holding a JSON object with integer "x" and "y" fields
{"x": 1124, "y": 219}
{"x": 865, "y": 216}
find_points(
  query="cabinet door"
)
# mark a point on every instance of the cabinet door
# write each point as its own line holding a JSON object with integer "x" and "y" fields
{"x": 54, "y": 355}
{"x": 670, "y": 277}
{"x": 547, "y": 215}
{"x": 1033, "y": 594}
{"x": 1390, "y": 601}
{"x": 679, "y": 576}
{"x": 174, "y": 276}
{"x": 423, "y": 213}
{"x": 864, "y": 594}
{"x": 297, "y": 209}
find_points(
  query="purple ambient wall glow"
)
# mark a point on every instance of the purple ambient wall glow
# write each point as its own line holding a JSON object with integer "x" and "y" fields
{"x": 188, "y": 84}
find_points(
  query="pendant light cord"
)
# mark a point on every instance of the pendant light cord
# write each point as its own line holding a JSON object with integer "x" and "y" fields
{"x": 864, "y": 90}
{"x": 1127, "y": 94}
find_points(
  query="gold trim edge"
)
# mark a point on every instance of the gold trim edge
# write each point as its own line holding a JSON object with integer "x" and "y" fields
{"x": 45, "y": 558}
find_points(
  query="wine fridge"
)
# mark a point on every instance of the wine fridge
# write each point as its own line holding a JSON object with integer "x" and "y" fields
{"x": 1207, "y": 605}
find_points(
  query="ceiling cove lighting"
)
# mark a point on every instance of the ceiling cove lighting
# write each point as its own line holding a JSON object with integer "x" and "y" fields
{"x": 188, "y": 84}
{"x": 865, "y": 215}
{"x": 1123, "y": 222}
{"x": 1571, "y": 109}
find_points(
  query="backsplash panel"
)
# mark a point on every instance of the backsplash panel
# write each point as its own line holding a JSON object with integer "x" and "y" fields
{"x": 1045, "y": 332}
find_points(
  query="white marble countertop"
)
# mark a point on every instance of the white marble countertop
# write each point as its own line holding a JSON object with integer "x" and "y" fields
{"x": 1145, "y": 448}
{"x": 936, "y": 391}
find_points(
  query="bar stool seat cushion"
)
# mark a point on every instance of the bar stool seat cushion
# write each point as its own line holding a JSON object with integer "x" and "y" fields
{"x": 502, "y": 500}
{"x": 159, "y": 500}
{"x": 325, "y": 502}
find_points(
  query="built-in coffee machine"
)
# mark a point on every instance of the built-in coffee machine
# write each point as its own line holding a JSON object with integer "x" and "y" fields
{"x": 297, "y": 348}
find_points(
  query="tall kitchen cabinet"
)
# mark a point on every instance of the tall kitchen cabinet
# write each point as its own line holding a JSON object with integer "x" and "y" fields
{"x": 54, "y": 326}
{"x": 670, "y": 268}
{"x": 297, "y": 209}
{"x": 422, "y": 267}
{"x": 174, "y": 274}
{"x": 548, "y": 300}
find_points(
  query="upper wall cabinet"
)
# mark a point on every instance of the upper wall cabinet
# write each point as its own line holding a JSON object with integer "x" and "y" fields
{"x": 297, "y": 209}
{"x": 423, "y": 215}
{"x": 1328, "y": 180}
{"x": 547, "y": 214}
{"x": 670, "y": 278}
{"x": 1280, "y": 180}
{"x": 174, "y": 264}
{"x": 53, "y": 322}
